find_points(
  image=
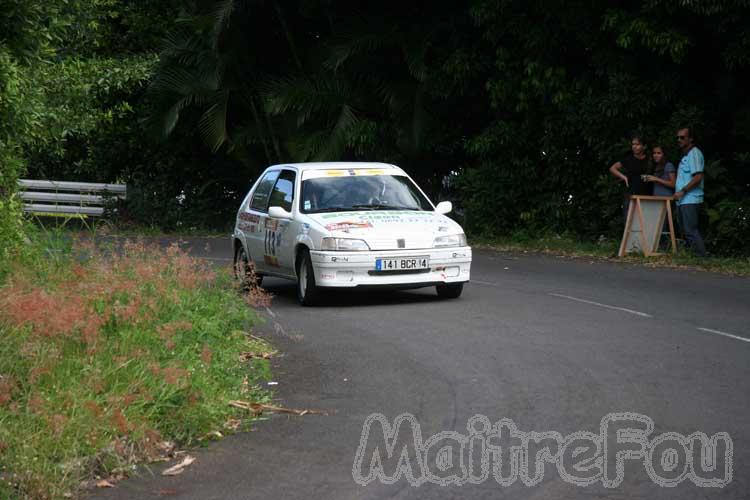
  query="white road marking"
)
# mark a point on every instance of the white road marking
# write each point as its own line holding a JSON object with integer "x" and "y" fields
{"x": 725, "y": 334}
{"x": 222, "y": 259}
{"x": 630, "y": 311}
{"x": 623, "y": 309}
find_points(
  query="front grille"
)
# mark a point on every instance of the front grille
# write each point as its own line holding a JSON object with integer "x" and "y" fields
{"x": 412, "y": 242}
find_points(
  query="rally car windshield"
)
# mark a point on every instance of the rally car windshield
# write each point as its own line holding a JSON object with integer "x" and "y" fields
{"x": 361, "y": 192}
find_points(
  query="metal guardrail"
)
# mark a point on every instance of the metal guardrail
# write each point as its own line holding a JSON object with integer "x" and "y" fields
{"x": 77, "y": 199}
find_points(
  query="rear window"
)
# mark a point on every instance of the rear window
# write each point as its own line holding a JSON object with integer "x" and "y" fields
{"x": 283, "y": 192}
{"x": 259, "y": 201}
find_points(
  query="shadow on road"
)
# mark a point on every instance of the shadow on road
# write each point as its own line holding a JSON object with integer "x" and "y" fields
{"x": 285, "y": 293}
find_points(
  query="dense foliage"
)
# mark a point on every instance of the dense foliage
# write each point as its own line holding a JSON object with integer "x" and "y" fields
{"x": 71, "y": 74}
{"x": 513, "y": 109}
{"x": 570, "y": 80}
{"x": 19, "y": 43}
{"x": 11, "y": 101}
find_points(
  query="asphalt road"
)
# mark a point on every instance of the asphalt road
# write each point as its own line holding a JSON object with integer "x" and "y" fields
{"x": 553, "y": 344}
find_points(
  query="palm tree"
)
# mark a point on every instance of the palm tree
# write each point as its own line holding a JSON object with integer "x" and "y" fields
{"x": 346, "y": 103}
{"x": 363, "y": 92}
{"x": 207, "y": 74}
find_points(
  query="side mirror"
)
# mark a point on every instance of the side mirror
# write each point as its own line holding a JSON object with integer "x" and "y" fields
{"x": 279, "y": 213}
{"x": 444, "y": 207}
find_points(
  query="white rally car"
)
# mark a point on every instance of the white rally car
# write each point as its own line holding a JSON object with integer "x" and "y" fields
{"x": 348, "y": 225}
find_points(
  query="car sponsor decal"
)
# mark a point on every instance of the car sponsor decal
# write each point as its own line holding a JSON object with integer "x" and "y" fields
{"x": 345, "y": 172}
{"x": 348, "y": 225}
{"x": 269, "y": 243}
{"x": 249, "y": 217}
{"x": 374, "y": 218}
{"x": 272, "y": 240}
{"x": 354, "y": 171}
{"x": 248, "y": 222}
{"x": 389, "y": 213}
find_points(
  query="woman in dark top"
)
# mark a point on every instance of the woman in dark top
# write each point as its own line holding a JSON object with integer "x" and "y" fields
{"x": 664, "y": 173}
{"x": 630, "y": 169}
{"x": 663, "y": 179}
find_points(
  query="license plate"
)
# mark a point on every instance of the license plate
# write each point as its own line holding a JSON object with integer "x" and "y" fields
{"x": 402, "y": 263}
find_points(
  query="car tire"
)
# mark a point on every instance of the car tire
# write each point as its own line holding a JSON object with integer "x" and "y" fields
{"x": 244, "y": 270}
{"x": 450, "y": 290}
{"x": 308, "y": 293}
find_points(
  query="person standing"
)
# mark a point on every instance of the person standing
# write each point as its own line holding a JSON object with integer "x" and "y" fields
{"x": 630, "y": 169}
{"x": 664, "y": 173}
{"x": 663, "y": 179}
{"x": 689, "y": 189}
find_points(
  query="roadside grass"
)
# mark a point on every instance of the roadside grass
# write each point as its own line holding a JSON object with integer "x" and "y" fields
{"x": 109, "y": 359}
{"x": 606, "y": 249}
{"x": 107, "y": 227}
{"x": 151, "y": 231}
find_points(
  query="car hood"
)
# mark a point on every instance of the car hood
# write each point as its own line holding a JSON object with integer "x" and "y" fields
{"x": 388, "y": 229}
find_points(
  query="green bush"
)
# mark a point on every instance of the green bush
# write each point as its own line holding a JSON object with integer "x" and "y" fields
{"x": 14, "y": 108}
{"x": 11, "y": 216}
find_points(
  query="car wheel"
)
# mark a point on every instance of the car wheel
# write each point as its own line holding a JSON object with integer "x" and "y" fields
{"x": 450, "y": 290}
{"x": 308, "y": 293}
{"x": 244, "y": 269}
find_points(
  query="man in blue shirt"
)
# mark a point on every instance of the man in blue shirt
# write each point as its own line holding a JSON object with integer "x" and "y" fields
{"x": 689, "y": 190}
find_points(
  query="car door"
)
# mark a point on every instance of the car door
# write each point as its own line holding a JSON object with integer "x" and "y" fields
{"x": 256, "y": 214}
{"x": 280, "y": 234}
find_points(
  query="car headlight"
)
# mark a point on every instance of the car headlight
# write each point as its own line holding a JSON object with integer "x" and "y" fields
{"x": 453, "y": 240}
{"x": 344, "y": 244}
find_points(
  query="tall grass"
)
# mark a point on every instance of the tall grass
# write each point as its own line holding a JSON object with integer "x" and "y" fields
{"x": 108, "y": 358}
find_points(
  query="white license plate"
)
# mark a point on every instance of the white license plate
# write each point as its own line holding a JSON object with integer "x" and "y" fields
{"x": 402, "y": 263}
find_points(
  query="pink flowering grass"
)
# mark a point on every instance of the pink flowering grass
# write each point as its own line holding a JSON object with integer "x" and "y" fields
{"x": 108, "y": 355}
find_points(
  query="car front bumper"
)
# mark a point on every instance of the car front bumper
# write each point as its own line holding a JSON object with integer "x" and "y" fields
{"x": 351, "y": 269}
